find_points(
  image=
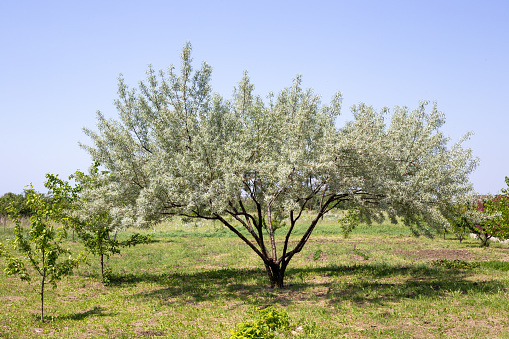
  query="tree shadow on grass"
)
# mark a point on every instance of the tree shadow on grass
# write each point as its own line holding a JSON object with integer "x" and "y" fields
{"x": 95, "y": 311}
{"x": 229, "y": 284}
{"x": 360, "y": 283}
{"x": 370, "y": 284}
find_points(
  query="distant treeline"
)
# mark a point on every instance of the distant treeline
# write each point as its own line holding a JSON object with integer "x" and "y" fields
{"x": 18, "y": 203}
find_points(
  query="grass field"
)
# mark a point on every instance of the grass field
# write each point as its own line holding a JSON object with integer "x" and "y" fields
{"x": 199, "y": 281}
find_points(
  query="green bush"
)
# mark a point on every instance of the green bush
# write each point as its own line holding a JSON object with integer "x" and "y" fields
{"x": 269, "y": 320}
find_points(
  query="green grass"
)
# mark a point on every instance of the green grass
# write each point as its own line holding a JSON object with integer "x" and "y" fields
{"x": 199, "y": 281}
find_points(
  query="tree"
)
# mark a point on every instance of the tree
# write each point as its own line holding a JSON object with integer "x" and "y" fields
{"x": 178, "y": 149}
{"x": 349, "y": 221}
{"x": 87, "y": 212}
{"x": 496, "y": 220}
{"x": 500, "y": 204}
{"x": 39, "y": 251}
{"x": 464, "y": 217}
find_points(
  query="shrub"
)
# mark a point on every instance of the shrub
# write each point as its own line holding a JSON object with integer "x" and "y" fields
{"x": 269, "y": 320}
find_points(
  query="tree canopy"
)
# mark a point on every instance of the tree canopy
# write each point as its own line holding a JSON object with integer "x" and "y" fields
{"x": 16, "y": 201}
{"x": 177, "y": 148}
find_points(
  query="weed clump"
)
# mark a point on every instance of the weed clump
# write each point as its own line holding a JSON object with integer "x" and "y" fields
{"x": 268, "y": 322}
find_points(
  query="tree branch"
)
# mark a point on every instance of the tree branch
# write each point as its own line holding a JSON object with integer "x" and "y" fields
{"x": 241, "y": 236}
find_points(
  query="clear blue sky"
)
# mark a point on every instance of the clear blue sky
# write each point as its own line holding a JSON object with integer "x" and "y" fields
{"x": 59, "y": 63}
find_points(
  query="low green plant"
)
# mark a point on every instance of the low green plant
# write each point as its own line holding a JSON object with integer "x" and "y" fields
{"x": 456, "y": 263}
{"x": 268, "y": 322}
{"x": 361, "y": 253}
{"x": 317, "y": 255}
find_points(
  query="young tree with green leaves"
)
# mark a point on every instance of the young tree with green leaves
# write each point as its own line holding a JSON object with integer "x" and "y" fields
{"x": 461, "y": 225}
{"x": 177, "y": 149}
{"x": 88, "y": 213}
{"x": 38, "y": 252}
{"x": 349, "y": 221}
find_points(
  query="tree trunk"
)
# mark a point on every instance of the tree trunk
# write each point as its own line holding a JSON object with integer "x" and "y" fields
{"x": 42, "y": 301}
{"x": 276, "y": 274}
{"x": 484, "y": 237}
{"x": 42, "y": 285}
{"x": 102, "y": 266}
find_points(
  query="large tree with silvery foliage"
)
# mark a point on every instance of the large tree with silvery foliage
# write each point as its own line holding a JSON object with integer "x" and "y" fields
{"x": 177, "y": 149}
